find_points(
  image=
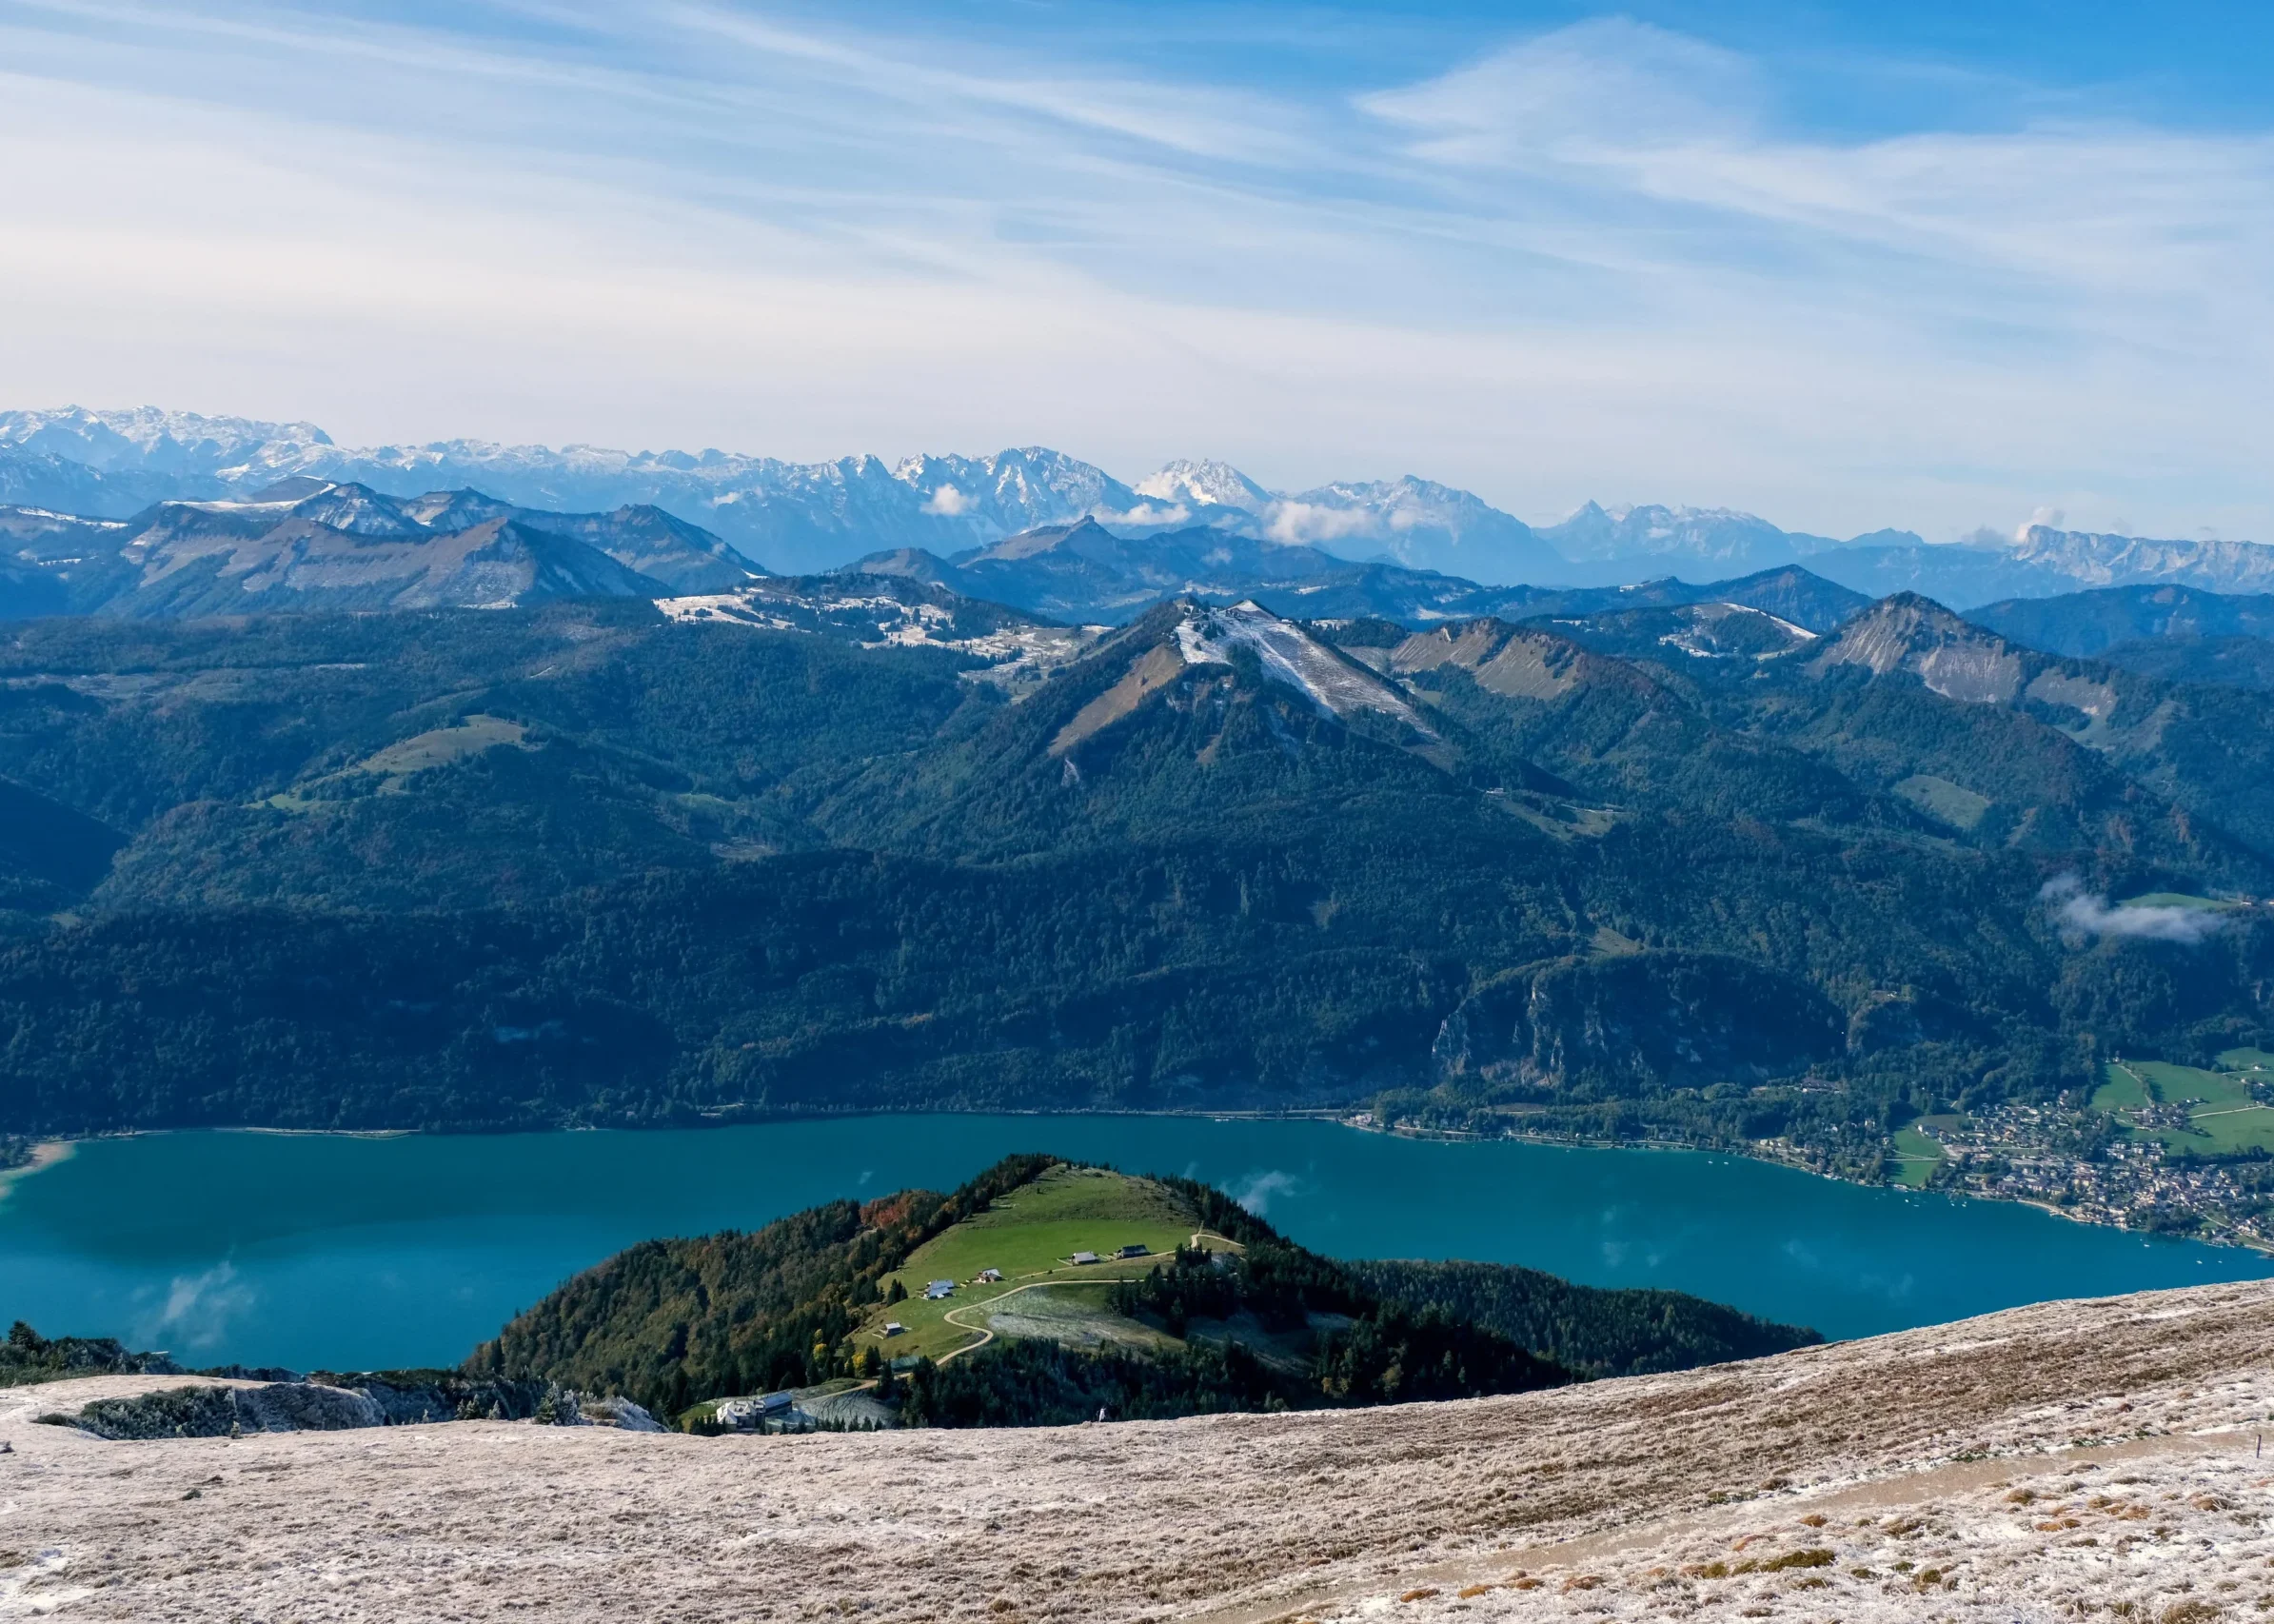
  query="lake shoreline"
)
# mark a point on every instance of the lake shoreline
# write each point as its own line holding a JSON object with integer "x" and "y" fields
{"x": 336, "y": 1250}
{"x": 50, "y": 1151}
{"x": 45, "y": 1153}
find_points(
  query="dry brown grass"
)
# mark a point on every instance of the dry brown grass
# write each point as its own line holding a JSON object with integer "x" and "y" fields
{"x": 1901, "y": 1445}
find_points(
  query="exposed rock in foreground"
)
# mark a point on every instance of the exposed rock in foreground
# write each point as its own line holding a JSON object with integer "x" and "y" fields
{"x": 2070, "y": 1459}
{"x": 337, "y": 1403}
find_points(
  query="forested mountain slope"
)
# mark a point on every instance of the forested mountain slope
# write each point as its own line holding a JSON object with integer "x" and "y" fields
{"x": 1088, "y": 572}
{"x": 2183, "y": 634}
{"x": 1698, "y": 870}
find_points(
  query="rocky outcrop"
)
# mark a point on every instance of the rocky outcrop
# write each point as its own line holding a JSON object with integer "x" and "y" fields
{"x": 1954, "y": 658}
{"x": 334, "y": 1403}
{"x": 1637, "y": 1021}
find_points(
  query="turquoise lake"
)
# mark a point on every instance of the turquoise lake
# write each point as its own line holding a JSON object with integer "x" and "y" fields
{"x": 318, "y": 1251}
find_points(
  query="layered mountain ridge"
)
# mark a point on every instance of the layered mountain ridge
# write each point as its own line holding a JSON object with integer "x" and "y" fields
{"x": 806, "y": 517}
{"x": 1618, "y": 861}
{"x": 305, "y": 544}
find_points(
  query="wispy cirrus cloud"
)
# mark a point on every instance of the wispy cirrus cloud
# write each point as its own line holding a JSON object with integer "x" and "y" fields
{"x": 1664, "y": 119}
{"x": 1601, "y": 260}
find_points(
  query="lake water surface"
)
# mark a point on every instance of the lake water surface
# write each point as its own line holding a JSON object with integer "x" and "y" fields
{"x": 320, "y": 1250}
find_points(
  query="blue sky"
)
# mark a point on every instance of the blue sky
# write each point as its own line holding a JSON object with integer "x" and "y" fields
{"x": 1928, "y": 264}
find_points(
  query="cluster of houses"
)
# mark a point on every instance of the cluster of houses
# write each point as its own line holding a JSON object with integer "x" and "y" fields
{"x": 938, "y": 1291}
{"x": 1136, "y": 1248}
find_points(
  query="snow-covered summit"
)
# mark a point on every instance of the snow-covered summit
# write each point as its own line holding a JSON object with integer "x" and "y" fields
{"x": 150, "y": 438}
{"x": 1288, "y": 654}
{"x": 1205, "y": 482}
{"x": 1012, "y": 490}
{"x": 1417, "y": 523}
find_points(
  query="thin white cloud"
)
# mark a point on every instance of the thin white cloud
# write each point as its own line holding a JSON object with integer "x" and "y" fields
{"x": 197, "y": 1311}
{"x": 2082, "y": 914}
{"x": 1257, "y": 1191}
{"x": 1669, "y": 119}
{"x": 1591, "y": 265}
{"x": 1610, "y": 83}
{"x": 1198, "y": 123}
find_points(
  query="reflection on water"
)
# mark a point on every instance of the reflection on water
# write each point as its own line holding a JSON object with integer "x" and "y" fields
{"x": 323, "y": 1250}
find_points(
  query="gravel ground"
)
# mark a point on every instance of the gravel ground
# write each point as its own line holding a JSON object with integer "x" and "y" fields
{"x": 1640, "y": 1485}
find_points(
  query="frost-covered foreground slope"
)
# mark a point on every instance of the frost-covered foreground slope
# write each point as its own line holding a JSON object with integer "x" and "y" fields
{"x": 2057, "y": 1461}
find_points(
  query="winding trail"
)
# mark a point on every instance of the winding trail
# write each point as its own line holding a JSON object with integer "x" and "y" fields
{"x": 986, "y": 1333}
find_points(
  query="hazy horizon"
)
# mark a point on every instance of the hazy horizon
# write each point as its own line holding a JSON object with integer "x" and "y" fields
{"x": 1932, "y": 271}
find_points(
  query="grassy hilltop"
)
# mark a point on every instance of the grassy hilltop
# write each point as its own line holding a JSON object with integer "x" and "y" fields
{"x": 1222, "y": 1312}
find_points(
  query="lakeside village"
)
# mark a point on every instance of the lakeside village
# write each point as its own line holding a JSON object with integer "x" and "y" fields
{"x": 2160, "y": 1148}
{"x": 2163, "y": 1148}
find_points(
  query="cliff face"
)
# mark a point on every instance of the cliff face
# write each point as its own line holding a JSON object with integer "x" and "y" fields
{"x": 1637, "y": 1021}
{"x": 2097, "y": 1452}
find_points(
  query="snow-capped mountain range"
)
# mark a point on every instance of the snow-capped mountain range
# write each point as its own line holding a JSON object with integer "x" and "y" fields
{"x": 807, "y": 517}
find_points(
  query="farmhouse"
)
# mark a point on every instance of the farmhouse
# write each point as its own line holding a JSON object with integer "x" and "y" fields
{"x": 1082, "y": 1258}
{"x": 894, "y": 1328}
{"x": 1137, "y": 1249}
{"x": 938, "y": 1289}
{"x": 986, "y": 1278}
{"x": 739, "y": 1412}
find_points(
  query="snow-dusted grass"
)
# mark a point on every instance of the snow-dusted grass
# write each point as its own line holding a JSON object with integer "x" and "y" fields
{"x": 1911, "y": 1448}
{"x": 2172, "y": 1532}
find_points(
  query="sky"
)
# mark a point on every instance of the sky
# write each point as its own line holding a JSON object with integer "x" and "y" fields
{"x": 1934, "y": 265}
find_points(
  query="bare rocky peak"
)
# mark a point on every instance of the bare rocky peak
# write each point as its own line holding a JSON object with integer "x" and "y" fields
{"x": 2097, "y": 560}
{"x": 1515, "y": 663}
{"x": 1954, "y": 658}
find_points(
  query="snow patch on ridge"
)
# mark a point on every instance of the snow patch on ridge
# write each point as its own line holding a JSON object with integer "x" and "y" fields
{"x": 1292, "y": 657}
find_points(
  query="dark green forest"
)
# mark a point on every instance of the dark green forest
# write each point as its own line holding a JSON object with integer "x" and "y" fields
{"x": 582, "y": 865}
{"x": 1586, "y": 1329}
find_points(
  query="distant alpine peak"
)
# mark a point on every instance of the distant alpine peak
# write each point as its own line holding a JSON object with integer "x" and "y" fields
{"x": 1205, "y": 482}
{"x": 1725, "y": 536}
{"x": 1657, "y": 512}
{"x": 2115, "y": 561}
{"x": 180, "y": 442}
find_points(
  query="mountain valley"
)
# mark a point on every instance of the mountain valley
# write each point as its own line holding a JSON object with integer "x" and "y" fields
{"x": 861, "y": 842}
{"x": 589, "y": 818}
